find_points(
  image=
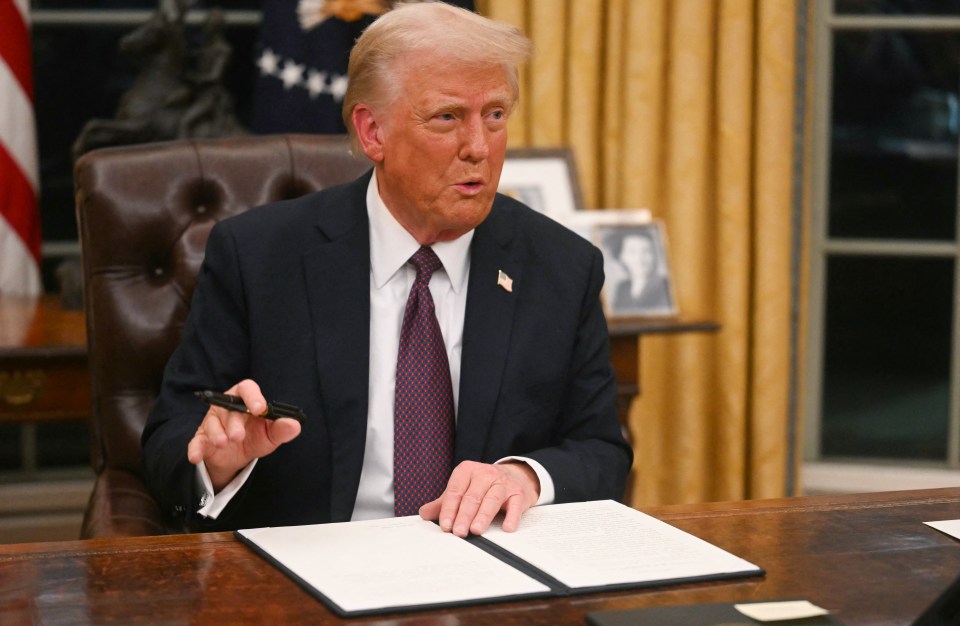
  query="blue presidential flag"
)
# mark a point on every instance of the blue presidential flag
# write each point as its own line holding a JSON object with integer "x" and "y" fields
{"x": 301, "y": 65}
{"x": 302, "y": 74}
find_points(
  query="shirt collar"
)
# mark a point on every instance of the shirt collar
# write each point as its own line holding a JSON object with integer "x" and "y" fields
{"x": 391, "y": 246}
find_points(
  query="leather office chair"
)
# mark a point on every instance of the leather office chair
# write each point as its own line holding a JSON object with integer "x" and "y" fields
{"x": 144, "y": 214}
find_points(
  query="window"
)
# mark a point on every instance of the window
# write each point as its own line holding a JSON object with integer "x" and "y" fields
{"x": 79, "y": 74}
{"x": 882, "y": 369}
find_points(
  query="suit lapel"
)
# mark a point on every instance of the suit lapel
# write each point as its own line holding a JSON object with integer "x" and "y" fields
{"x": 337, "y": 272}
{"x": 486, "y": 331}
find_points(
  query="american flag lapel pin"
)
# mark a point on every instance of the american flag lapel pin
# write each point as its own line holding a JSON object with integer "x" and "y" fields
{"x": 504, "y": 281}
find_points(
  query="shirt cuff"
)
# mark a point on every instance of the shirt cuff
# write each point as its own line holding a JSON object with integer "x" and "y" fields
{"x": 547, "y": 493}
{"x": 212, "y": 504}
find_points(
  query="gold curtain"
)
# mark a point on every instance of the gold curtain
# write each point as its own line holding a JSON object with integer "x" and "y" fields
{"x": 686, "y": 107}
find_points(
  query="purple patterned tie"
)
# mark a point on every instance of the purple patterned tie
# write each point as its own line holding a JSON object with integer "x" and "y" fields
{"x": 423, "y": 409}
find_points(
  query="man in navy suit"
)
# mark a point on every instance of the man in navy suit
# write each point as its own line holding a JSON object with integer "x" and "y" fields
{"x": 301, "y": 302}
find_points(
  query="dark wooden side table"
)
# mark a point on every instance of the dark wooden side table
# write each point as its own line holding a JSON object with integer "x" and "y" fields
{"x": 625, "y": 337}
{"x": 44, "y": 375}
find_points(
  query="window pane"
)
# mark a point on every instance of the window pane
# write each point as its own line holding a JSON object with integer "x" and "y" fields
{"x": 80, "y": 75}
{"x": 887, "y": 363}
{"x": 93, "y": 4}
{"x": 898, "y": 7}
{"x": 896, "y": 110}
{"x": 9, "y": 447}
{"x": 63, "y": 445}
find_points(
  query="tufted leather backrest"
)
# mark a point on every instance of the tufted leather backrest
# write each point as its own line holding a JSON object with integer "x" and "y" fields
{"x": 144, "y": 214}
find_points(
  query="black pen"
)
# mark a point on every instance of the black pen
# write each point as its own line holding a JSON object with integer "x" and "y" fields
{"x": 235, "y": 403}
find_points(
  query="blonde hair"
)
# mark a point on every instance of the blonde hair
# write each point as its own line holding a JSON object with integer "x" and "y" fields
{"x": 450, "y": 33}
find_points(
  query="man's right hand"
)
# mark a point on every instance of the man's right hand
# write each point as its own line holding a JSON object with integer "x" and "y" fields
{"x": 227, "y": 441}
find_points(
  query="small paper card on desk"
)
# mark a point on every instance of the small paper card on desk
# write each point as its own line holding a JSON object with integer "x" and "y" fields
{"x": 780, "y": 611}
{"x": 718, "y": 614}
{"x": 406, "y": 563}
{"x": 949, "y": 527}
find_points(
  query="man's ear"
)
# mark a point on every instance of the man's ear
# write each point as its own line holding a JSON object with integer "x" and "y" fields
{"x": 369, "y": 132}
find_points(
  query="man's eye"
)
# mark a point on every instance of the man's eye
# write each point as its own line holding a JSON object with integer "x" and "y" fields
{"x": 446, "y": 116}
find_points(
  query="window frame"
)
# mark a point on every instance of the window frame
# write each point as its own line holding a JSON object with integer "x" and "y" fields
{"x": 821, "y": 246}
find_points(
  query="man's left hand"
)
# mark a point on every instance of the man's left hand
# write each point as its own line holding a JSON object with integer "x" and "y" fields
{"x": 476, "y": 492}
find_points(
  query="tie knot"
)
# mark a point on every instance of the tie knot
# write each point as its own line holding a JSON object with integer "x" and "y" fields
{"x": 426, "y": 261}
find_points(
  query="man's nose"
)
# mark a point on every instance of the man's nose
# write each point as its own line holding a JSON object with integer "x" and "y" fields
{"x": 474, "y": 142}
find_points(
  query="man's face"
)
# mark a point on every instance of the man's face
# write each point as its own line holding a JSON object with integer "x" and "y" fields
{"x": 439, "y": 147}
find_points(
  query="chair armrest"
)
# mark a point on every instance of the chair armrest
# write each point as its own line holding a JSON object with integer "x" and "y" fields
{"x": 121, "y": 506}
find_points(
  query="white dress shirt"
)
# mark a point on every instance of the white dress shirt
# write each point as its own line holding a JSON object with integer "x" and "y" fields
{"x": 391, "y": 278}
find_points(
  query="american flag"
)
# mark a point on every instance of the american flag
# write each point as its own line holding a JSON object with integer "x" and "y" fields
{"x": 505, "y": 281}
{"x": 19, "y": 215}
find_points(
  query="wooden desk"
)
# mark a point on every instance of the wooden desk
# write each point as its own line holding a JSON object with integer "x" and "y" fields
{"x": 43, "y": 361}
{"x": 44, "y": 375}
{"x": 868, "y": 558}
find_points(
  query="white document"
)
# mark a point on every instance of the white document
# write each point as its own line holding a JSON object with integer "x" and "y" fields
{"x": 406, "y": 562}
{"x": 590, "y": 544}
{"x": 950, "y": 527}
{"x": 398, "y": 562}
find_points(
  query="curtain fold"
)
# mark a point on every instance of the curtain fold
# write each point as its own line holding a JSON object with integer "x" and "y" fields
{"x": 686, "y": 107}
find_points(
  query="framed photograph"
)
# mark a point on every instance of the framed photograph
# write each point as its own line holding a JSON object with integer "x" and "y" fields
{"x": 585, "y": 223}
{"x": 635, "y": 261}
{"x": 545, "y": 179}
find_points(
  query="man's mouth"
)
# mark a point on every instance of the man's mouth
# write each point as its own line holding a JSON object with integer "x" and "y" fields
{"x": 470, "y": 187}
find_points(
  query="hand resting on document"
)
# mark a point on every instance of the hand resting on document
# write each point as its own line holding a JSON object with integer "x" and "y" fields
{"x": 227, "y": 441}
{"x": 476, "y": 492}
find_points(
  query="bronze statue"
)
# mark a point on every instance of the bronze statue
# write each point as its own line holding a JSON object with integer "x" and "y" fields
{"x": 178, "y": 91}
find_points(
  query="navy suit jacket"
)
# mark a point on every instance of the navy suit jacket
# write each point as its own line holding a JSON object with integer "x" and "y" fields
{"x": 283, "y": 297}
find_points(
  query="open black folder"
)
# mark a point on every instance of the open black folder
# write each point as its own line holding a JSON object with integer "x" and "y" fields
{"x": 406, "y": 563}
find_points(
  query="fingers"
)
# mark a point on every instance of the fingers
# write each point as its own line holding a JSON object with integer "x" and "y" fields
{"x": 464, "y": 496}
{"x": 515, "y": 509}
{"x": 529, "y": 484}
{"x": 281, "y": 431}
{"x": 250, "y": 392}
{"x": 431, "y": 511}
{"x": 199, "y": 447}
{"x": 277, "y": 432}
{"x": 221, "y": 426}
{"x": 234, "y": 421}
{"x": 477, "y": 492}
{"x": 210, "y": 436}
{"x": 228, "y": 441}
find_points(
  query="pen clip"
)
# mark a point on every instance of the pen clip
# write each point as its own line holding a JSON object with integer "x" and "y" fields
{"x": 282, "y": 409}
